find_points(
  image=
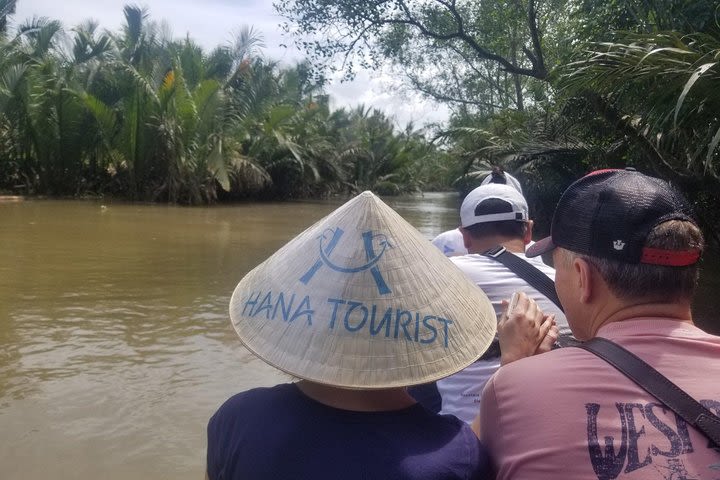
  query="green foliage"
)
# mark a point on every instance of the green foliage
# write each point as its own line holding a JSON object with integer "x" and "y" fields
{"x": 535, "y": 146}
{"x": 677, "y": 122}
{"x": 549, "y": 90}
{"x": 480, "y": 55}
{"x": 148, "y": 118}
{"x": 7, "y": 8}
{"x": 600, "y": 19}
{"x": 655, "y": 99}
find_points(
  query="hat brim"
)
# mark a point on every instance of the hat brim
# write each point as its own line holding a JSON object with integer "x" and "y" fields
{"x": 541, "y": 246}
{"x": 362, "y": 300}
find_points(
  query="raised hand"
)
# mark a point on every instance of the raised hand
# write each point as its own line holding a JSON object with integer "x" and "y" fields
{"x": 524, "y": 329}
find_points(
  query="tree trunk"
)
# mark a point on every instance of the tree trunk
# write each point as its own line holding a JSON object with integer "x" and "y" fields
{"x": 518, "y": 93}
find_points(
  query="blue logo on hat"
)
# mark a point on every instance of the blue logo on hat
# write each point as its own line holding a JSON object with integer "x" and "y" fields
{"x": 371, "y": 257}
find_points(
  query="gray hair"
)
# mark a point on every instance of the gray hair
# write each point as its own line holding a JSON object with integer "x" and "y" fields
{"x": 653, "y": 282}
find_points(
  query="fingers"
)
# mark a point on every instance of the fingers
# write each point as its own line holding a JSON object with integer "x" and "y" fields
{"x": 517, "y": 303}
{"x": 521, "y": 309}
{"x": 524, "y": 329}
{"x": 504, "y": 308}
{"x": 534, "y": 314}
{"x": 550, "y": 338}
{"x": 549, "y": 332}
{"x": 528, "y": 308}
{"x": 546, "y": 324}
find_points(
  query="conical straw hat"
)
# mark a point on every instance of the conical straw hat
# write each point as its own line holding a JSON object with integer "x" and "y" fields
{"x": 361, "y": 300}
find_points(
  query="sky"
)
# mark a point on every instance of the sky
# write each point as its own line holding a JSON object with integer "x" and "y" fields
{"x": 211, "y": 23}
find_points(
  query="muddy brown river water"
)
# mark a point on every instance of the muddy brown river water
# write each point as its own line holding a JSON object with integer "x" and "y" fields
{"x": 116, "y": 342}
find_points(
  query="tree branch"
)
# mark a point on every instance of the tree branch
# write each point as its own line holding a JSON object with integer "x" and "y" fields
{"x": 353, "y": 43}
{"x": 537, "y": 59}
{"x": 491, "y": 81}
{"x": 460, "y": 34}
{"x": 425, "y": 89}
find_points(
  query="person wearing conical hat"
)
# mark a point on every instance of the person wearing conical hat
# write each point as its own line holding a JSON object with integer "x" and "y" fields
{"x": 358, "y": 307}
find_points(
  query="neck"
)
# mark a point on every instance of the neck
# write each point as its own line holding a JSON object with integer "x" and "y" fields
{"x": 480, "y": 245}
{"x": 357, "y": 400}
{"x": 618, "y": 310}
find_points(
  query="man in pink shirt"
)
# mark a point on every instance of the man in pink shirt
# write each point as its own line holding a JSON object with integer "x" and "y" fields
{"x": 625, "y": 249}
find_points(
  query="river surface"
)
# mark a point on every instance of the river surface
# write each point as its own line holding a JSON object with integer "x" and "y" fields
{"x": 116, "y": 345}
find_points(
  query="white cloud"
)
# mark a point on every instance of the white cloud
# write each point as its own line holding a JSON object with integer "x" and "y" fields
{"x": 212, "y": 22}
{"x": 382, "y": 90}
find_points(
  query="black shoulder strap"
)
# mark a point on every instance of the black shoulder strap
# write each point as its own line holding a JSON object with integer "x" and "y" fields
{"x": 657, "y": 385}
{"x": 527, "y": 271}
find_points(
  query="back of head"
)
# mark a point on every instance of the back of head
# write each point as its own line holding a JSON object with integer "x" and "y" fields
{"x": 494, "y": 210}
{"x": 636, "y": 230}
{"x": 657, "y": 282}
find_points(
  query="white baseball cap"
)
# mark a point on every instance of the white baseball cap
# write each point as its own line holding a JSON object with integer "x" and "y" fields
{"x": 493, "y": 202}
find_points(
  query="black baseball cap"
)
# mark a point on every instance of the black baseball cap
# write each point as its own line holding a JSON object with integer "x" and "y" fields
{"x": 609, "y": 214}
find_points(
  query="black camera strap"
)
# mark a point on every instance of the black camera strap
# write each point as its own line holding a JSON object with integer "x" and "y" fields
{"x": 527, "y": 271}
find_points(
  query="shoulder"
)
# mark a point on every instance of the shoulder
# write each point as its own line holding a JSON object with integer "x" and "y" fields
{"x": 489, "y": 274}
{"x": 445, "y": 429}
{"x": 526, "y": 390}
{"x": 245, "y": 404}
{"x": 262, "y": 394}
{"x": 540, "y": 375}
{"x": 532, "y": 392}
{"x": 450, "y": 243}
{"x": 538, "y": 263}
{"x": 472, "y": 260}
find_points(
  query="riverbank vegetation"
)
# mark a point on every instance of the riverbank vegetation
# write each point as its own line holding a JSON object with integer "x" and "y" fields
{"x": 139, "y": 115}
{"x": 548, "y": 89}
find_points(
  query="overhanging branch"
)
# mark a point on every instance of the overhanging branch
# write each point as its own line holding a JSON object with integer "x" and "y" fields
{"x": 460, "y": 34}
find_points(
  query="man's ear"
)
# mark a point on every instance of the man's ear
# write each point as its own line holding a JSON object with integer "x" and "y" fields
{"x": 467, "y": 238}
{"x": 528, "y": 231}
{"x": 584, "y": 276}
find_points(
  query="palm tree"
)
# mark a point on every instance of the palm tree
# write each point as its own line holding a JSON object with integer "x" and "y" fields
{"x": 670, "y": 128}
{"x": 148, "y": 118}
{"x": 373, "y": 156}
{"x": 675, "y": 123}
{"x": 46, "y": 109}
{"x": 7, "y": 8}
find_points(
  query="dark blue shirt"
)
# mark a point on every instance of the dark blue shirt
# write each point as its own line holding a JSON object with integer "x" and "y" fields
{"x": 280, "y": 433}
